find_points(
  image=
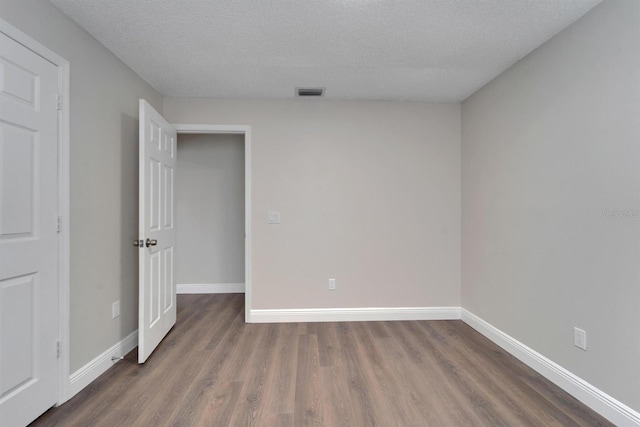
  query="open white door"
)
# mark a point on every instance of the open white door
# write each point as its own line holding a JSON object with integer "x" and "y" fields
{"x": 156, "y": 240}
{"x": 29, "y": 239}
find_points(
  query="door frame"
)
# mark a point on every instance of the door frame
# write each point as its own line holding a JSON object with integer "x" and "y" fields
{"x": 63, "y": 198}
{"x": 246, "y": 131}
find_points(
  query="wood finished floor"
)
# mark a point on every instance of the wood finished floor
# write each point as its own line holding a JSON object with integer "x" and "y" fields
{"x": 215, "y": 370}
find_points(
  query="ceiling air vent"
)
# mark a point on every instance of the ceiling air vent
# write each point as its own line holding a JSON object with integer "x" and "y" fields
{"x": 309, "y": 92}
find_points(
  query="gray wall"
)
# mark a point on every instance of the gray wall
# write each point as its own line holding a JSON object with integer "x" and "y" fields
{"x": 104, "y": 175}
{"x": 369, "y": 194}
{"x": 551, "y": 150}
{"x": 210, "y": 209}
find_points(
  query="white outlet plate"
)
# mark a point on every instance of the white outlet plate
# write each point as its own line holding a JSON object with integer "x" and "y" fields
{"x": 580, "y": 338}
{"x": 273, "y": 217}
{"x": 332, "y": 284}
{"x": 115, "y": 309}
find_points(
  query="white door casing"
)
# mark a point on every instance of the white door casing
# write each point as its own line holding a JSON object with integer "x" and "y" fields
{"x": 246, "y": 131}
{"x": 29, "y": 240}
{"x": 156, "y": 240}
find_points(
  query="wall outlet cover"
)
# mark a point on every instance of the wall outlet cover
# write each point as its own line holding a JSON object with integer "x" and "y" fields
{"x": 580, "y": 338}
{"x": 273, "y": 217}
{"x": 115, "y": 309}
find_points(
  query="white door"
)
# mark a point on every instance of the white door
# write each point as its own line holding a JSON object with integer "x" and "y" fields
{"x": 157, "y": 235}
{"x": 29, "y": 251}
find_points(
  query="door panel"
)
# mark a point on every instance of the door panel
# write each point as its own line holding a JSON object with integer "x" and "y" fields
{"x": 17, "y": 307}
{"x": 154, "y": 188}
{"x": 169, "y": 290}
{"x": 168, "y": 197}
{"x": 157, "y": 310}
{"x": 29, "y": 246}
{"x": 17, "y": 168}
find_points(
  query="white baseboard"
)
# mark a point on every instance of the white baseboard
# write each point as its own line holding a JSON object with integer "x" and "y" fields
{"x": 210, "y": 288}
{"x": 92, "y": 370}
{"x": 354, "y": 314}
{"x": 613, "y": 410}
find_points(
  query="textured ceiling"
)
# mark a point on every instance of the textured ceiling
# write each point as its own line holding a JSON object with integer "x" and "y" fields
{"x": 423, "y": 50}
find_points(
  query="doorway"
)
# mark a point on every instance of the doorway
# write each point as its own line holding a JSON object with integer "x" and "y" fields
{"x": 210, "y": 213}
{"x": 213, "y": 193}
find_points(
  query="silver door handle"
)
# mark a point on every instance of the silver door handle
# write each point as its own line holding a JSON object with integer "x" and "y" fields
{"x": 151, "y": 242}
{"x": 138, "y": 243}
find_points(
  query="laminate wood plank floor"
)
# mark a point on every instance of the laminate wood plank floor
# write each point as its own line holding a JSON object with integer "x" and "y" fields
{"x": 215, "y": 370}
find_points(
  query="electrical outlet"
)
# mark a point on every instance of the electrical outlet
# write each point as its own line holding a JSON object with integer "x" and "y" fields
{"x": 580, "y": 338}
{"x": 332, "y": 284}
{"x": 115, "y": 309}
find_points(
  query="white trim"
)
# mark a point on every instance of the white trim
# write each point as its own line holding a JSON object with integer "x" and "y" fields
{"x": 355, "y": 314}
{"x": 246, "y": 130}
{"x": 247, "y": 227}
{"x": 610, "y": 408}
{"x": 223, "y": 129}
{"x": 64, "y": 209}
{"x": 28, "y": 42}
{"x": 92, "y": 370}
{"x": 63, "y": 196}
{"x": 210, "y": 288}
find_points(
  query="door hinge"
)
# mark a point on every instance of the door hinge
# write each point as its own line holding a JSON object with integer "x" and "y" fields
{"x": 58, "y": 350}
{"x": 59, "y": 224}
{"x": 59, "y": 102}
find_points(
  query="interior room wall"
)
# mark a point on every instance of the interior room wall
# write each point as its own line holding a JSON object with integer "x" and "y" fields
{"x": 368, "y": 193}
{"x": 551, "y": 195}
{"x": 104, "y": 176}
{"x": 210, "y": 209}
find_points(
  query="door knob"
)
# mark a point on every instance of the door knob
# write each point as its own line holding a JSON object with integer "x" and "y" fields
{"x": 151, "y": 242}
{"x": 138, "y": 243}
